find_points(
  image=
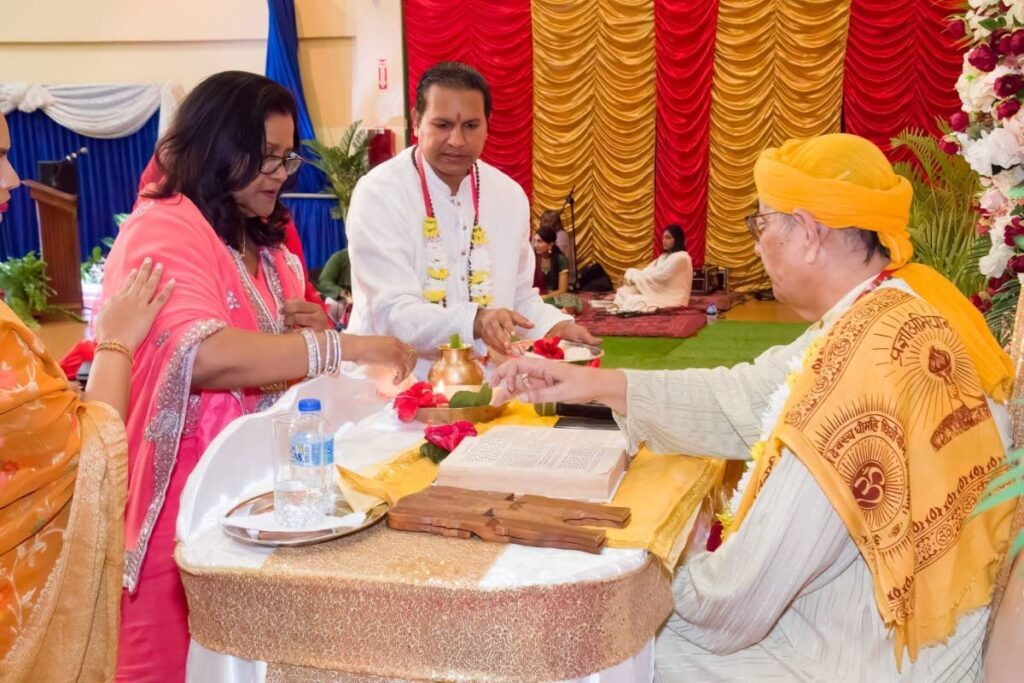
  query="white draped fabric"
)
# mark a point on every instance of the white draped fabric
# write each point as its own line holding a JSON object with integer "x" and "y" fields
{"x": 96, "y": 111}
{"x": 237, "y": 465}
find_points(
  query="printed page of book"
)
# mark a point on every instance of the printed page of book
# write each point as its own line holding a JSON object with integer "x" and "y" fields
{"x": 583, "y": 451}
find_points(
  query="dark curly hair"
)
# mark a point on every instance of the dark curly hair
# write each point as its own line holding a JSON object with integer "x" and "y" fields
{"x": 215, "y": 147}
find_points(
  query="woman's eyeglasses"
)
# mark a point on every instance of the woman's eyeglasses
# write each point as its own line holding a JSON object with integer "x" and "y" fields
{"x": 272, "y": 162}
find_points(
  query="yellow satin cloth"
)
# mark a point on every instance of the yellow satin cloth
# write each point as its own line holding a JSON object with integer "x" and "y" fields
{"x": 663, "y": 492}
{"x": 62, "y": 493}
{"x": 778, "y": 75}
{"x": 845, "y": 181}
{"x": 891, "y": 420}
{"x": 593, "y": 123}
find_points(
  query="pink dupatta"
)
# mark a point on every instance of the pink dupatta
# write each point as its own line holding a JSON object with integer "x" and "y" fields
{"x": 212, "y": 291}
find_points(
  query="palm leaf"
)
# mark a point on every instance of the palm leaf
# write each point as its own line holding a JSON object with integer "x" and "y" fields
{"x": 942, "y": 216}
{"x": 343, "y": 164}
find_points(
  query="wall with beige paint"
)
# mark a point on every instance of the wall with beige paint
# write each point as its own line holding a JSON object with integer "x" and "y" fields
{"x": 153, "y": 41}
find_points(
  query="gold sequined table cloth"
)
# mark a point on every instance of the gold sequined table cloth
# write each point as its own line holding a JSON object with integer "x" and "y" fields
{"x": 406, "y": 605}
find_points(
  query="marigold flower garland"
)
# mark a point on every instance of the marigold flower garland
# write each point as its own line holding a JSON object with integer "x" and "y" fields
{"x": 435, "y": 288}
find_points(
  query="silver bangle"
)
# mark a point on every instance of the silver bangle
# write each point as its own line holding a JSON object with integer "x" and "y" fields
{"x": 311, "y": 353}
{"x": 328, "y": 352}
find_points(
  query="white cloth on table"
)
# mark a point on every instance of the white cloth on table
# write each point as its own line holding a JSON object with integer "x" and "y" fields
{"x": 788, "y": 597}
{"x": 237, "y": 465}
{"x": 665, "y": 282}
{"x": 389, "y": 261}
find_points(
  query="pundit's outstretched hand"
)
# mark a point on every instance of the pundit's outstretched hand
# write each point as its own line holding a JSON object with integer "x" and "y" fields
{"x": 543, "y": 381}
{"x": 495, "y": 326}
{"x": 573, "y": 332}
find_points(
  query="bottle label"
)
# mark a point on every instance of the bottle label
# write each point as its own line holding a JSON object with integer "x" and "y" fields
{"x": 305, "y": 453}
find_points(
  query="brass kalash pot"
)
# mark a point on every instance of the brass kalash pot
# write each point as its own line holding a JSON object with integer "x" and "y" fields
{"x": 456, "y": 368}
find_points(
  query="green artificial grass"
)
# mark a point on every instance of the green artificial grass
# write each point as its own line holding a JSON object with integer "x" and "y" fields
{"x": 727, "y": 342}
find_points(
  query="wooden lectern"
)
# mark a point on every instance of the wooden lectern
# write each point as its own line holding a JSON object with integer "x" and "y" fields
{"x": 58, "y": 240}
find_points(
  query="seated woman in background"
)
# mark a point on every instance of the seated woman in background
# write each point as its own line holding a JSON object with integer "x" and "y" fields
{"x": 63, "y": 463}
{"x": 236, "y": 333}
{"x": 665, "y": 283}
{"x": 551, "y": 275}
{"x": 552, "y": 220}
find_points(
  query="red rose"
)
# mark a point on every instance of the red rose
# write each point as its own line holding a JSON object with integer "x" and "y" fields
{"x": 954, "y": 29}
{"x": 1017, "y": 42}
{"x": 959, "y": 121}
{"x": 419, "y": 395}
{"x": 1004, "y": 45}
{"x": 549, "y": 348}
{"x": 1009, "y": 85}
{"x": 1016, "y": 263}
{"x": 1012, "y": 232}
{"x": 983, "y": 305}
{"x": 948, "y": 146}
{"x": 1007, "y": 108}
{"x": 448, "y": 437}
{"x": 983, "y": 58}
{"x": 995, "y": 283}
{"x": 596, "y": 363}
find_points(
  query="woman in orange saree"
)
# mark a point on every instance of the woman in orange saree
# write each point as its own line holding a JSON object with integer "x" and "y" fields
{"x": 63, "y": 467}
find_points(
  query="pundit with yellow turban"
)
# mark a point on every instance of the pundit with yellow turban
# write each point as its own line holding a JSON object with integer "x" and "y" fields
{"x": 851, "y": 550}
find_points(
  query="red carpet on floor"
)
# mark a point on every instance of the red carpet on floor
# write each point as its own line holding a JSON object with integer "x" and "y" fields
{"x": 669, "y": 322}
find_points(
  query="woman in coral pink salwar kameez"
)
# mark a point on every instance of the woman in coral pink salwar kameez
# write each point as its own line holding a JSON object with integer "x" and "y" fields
{"x": 229, "y": 341}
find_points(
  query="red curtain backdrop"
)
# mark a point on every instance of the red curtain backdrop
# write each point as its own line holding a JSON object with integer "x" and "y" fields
{"x": 900, "y": 70}
{"x": 494, "y": 37}
{"x": 684, "y": 42}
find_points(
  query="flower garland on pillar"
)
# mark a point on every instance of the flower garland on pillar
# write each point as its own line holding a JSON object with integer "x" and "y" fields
{"x": 989, "y": 131}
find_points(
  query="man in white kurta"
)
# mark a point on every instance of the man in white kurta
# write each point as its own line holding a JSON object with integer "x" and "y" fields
{"x": 789, "y": 596}
{"x": 390, "y": 255}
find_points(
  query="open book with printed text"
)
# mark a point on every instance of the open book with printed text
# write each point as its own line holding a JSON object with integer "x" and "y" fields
{"x": 579, "y": 464}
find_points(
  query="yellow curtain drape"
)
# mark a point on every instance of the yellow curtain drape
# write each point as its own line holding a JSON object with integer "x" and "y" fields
{"x": 778, "y": 75}
{"x": 593, "y": 125}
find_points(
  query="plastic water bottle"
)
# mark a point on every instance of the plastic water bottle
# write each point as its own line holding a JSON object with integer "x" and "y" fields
{"x": 331, "y": 492}
{"x": 299, "y": 496}
{"x": 712, "y": 313}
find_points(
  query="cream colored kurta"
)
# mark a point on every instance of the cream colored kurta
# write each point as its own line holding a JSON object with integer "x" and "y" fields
{"x": 665, "y": 283}
{"x": 788, "y": 597}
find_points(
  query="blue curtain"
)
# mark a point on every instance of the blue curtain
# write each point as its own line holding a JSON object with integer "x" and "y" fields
{"x": 321, "y": 235}
{"x": 283, "y": 67}
{"x": 108, "y": 178}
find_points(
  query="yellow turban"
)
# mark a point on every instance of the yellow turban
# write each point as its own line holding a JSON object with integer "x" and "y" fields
{"x": 845, "y": 181}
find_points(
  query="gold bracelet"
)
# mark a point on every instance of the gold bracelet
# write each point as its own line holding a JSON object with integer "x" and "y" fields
{"x": 114, "y": 345}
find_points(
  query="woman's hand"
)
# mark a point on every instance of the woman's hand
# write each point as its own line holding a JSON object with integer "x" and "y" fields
{"x": 386, "y": 351}
{"x": 544, "y": 381}
{"x": 127, "y": 316}
{"x": 299, "y": 313}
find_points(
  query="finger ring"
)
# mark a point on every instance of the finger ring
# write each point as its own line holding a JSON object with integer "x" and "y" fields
{"x": 524, "y": 379}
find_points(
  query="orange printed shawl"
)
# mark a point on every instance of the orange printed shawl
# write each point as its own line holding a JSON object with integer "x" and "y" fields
{"x": 891, "y": 420}
{"x": 63, "y": 482}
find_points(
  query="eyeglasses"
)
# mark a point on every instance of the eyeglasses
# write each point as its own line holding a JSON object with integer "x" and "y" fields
{"x": 272, "y": 162}
{"x": 757, "y": 225}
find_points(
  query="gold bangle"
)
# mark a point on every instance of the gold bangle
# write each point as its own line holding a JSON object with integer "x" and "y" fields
{"x": 114, "y": 345}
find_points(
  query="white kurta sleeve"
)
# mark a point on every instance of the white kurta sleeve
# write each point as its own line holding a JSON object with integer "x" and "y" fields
{"x": 528, "y": 301}
{"x": 385, "y": 279}
{"x": 711, "y": 412}
{"x": 792, "y": 542}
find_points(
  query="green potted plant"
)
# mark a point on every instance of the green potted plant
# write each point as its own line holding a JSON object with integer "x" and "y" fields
{"x": 26, "y": 288}
{"x": 343, "y": 164}
{"x": 943, "y": 218}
